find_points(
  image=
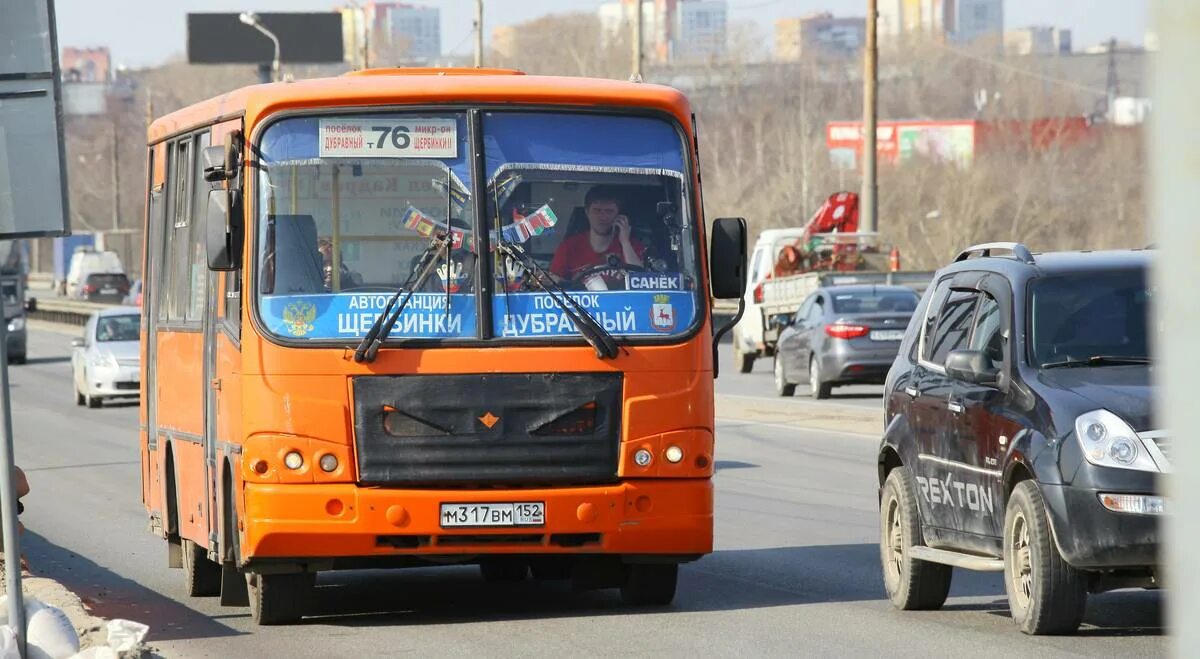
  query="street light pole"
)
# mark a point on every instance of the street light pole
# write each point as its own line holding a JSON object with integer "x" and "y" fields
{"x": 637, "y": 41}
{"x": 250, "y": 18}
{"x": 870, "y": 204}
{"x": 478, "y": 33}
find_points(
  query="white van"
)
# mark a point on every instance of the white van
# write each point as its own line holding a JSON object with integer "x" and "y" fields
{"x": 87, "y": 261}
{"x": 748, "y": 335}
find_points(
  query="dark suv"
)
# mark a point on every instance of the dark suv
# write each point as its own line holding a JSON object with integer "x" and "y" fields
{"x": 1020, "y": 435}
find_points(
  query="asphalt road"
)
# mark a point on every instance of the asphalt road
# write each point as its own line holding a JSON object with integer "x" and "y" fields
{"x": 796, "y": 570}
{"x": 760, "y": 383}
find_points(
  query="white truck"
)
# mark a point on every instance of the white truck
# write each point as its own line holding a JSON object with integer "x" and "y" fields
{"x": 768, "y": 299}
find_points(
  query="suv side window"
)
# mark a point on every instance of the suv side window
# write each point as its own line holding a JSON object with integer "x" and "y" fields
{"x": 952, "y": 326}
{"x": 987, "y": 333}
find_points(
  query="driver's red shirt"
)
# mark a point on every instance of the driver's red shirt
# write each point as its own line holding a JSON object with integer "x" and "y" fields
{"x": 576, "y": 254}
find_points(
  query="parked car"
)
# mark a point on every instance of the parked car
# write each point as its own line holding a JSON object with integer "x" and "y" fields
{"x": 1021, "y": 434}
{"x": 86, "y": 261}
{"x": 842, "y": 335}
{"x": 111, "y": 288}
{"x": 106, "y": 360}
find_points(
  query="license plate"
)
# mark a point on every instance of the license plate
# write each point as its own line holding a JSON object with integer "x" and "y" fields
{"x": 887, "y": 335}
{"x": 493, "y": 514}
{"x": 108, "y": 291}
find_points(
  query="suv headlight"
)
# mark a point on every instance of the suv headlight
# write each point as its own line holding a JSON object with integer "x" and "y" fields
{"x": 104, "y": 360}
{"x": 16, "y": 324}
{"x": 1108, "y": 441}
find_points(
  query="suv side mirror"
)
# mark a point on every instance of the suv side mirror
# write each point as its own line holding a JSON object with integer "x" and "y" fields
{"x": 972, "y": 366}
{"x": 727, "y": 258}
{"x": 31, "y": 305}
{"x": 223, "y": 229}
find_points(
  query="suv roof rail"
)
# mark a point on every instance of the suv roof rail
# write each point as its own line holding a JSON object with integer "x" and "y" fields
{"x": 1019, "y": 251}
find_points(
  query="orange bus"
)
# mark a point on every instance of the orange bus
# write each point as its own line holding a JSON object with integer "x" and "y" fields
{"x": 417, "y": 317}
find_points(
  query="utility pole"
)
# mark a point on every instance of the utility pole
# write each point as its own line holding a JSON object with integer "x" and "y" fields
{"x": 637, "y": 41}
{"x": 478, "y": 33}
{"x": 1173, "y": 176}
{"x": 869, "y": 205}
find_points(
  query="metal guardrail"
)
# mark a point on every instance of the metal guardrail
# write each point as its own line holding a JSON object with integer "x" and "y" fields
{"x": 67, "y": 312}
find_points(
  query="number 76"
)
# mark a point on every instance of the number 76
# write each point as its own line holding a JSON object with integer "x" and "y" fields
{"x": 400, "y": 138}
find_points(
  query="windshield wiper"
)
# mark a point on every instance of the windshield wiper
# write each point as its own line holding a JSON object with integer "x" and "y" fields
{"x": 370, "y": 344}
{"x": 592, "y": 331}
{"x": 1097, "y": 360}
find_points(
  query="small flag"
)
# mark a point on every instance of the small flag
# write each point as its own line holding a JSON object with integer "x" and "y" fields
{"x": 426, "y": 226}
{"x": 456, "y": 238}
{"x": 412, "y": 218}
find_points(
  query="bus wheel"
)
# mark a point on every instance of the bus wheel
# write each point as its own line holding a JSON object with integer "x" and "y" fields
{"x": 650, "y": 585}
{"x": 279, "y": 599}
{"x": 500, "y": 569}
{"x": 201, "y": 576}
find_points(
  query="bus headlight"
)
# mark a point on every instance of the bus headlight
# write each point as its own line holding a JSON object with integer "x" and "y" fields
{"x": 293, "y": 460}
{"x": 328, "y": 462}
{"x": 642, "y": 458}
{"x": 673, "y": 454}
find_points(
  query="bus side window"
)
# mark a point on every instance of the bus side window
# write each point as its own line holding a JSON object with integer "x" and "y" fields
{"x": 178, "y": 238}
{"x": 195, "y": 300}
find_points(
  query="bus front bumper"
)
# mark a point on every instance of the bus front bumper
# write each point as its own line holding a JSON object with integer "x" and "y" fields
{"x": 650, "y": 517}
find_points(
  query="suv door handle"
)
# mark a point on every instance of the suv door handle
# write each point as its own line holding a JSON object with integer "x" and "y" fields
{"x": 955, "y": 407}
{"x": 912, "y": 392}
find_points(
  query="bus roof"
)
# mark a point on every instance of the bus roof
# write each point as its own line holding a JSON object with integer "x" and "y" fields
{"x": 419, "y": 87}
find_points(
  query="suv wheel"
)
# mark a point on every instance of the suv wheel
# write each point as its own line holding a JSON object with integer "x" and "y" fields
{"x": 744, "y": 361}
{"x": 912, "y": 584}
{"x": 782, "y": 386}
{"x": 1045, "y": 594}
{"x": 818, "y": 389}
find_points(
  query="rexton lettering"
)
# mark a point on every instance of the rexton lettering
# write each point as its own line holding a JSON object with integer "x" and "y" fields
{"x": 949, "y": 492}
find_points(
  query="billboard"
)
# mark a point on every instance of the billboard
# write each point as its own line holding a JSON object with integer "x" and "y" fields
{"x": 33, "y": 186}
{"x": 304, "y": 38}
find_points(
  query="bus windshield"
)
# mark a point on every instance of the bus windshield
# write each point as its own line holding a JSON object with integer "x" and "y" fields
{"x": 598, "y": 203}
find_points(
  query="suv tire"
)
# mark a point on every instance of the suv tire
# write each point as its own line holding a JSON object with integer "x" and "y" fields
{"x": 1045, "y": 594}
{"x": 911, "y": 584}
{"x": 820, "y": 390}
{"x": 782, "y": 386}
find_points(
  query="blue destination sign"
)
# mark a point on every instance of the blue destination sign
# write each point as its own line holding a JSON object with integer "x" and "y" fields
{"x": 350, "y": 315}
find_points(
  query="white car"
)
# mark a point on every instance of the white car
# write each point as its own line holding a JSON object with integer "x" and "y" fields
{"x": 106, "y": 361}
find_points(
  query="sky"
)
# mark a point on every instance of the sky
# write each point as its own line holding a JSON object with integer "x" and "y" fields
{"x": 142, "y": 33}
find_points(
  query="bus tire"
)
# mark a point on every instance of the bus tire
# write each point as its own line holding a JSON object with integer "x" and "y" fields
{"x": 279, "y": 599}
{"x": 911, "y": 584}
{"x": 503, "y": 569}
{"x": 201, "y": 577}
{"x": 650, "y": 584}
{"x": 1045, "y": 594}
{"x": 550, "y": 569}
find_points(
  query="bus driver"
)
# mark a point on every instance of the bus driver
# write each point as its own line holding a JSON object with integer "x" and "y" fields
{"x": 607, "y": 240}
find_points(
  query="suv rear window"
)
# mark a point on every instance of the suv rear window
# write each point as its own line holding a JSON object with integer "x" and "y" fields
{"x": 1079, "y": 316}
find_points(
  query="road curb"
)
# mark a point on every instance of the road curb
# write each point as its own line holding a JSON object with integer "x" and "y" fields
{"x": 91, "y": 630}
{"x": 809, "y": 415}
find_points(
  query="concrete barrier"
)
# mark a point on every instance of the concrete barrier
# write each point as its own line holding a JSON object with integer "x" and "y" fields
{"x": 58, "y": 310}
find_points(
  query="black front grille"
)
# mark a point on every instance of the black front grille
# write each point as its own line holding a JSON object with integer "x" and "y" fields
{"x": 126, "y": 386}
{"x": 478, "y": 430}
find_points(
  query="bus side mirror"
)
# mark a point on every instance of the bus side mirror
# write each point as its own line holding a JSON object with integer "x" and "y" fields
{"x": 223, "y": 229}
{"x": 727, "y": 258}
{"x": 221, "y": 163}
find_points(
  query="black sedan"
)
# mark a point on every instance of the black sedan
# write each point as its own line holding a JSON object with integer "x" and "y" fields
{"x": 842, "y": 335}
